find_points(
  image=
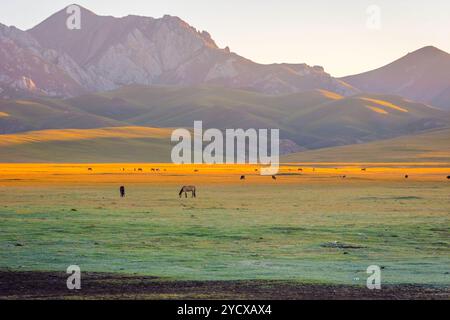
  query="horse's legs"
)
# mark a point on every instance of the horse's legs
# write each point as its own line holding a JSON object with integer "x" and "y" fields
{"x": 185, "y": 194}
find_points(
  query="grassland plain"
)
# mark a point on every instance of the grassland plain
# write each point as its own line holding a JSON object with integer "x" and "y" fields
{"x": 53, "y": 216}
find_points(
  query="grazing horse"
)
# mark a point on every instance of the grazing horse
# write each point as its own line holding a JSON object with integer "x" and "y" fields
{"x": 242, "y": 177}
{"x": 187, "y": 189}
{"x": 122, "y": 192}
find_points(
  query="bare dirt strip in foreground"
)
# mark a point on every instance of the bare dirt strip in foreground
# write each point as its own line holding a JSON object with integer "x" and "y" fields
{"x": 52, "y": 286}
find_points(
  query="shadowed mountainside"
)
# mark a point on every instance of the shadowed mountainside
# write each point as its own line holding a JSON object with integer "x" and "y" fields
{"x": 422, "y": 75}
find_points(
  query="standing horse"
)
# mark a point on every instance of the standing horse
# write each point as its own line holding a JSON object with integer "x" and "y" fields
{"x": 187, "y": 189}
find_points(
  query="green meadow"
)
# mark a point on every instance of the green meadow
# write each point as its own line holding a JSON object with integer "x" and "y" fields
{"x": 312, "y": 233}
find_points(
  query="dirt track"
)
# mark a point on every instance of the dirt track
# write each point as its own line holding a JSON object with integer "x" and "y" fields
{"x": 46, "y": 285}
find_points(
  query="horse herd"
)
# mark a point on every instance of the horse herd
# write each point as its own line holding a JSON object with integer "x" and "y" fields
{"x": 192, "y": 189}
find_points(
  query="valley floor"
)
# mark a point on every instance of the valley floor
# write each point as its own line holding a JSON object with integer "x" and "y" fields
{"x": 311, "y": 233}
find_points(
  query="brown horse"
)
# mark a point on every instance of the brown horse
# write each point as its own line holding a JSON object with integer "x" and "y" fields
{"x": 187, "y": 189}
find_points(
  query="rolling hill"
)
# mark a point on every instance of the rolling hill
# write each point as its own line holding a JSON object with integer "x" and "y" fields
{"x": 431, "y": 146}
{"x": 312, "y": 119}
{"x": 161, "y": 106}
{"x": 39, "y": 114}
{"x": 363, "y": 118}
{"x": 142, "y": 144}
{"x": 105, "y": 145}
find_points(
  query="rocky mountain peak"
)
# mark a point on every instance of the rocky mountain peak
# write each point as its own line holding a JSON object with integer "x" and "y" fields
{"x": 109, "y": 52}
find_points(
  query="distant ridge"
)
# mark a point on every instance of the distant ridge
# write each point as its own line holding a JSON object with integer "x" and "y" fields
{"x": 422, "y": 75}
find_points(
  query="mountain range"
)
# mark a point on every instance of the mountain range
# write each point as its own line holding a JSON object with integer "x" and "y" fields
{"x": 107, "y": 53}
{"x": 142, "y": 73}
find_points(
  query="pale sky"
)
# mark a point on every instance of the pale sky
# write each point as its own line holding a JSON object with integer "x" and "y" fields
{"x": 330, "y": 33}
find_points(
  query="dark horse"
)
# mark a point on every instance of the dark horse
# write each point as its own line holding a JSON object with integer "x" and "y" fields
{"x": 187, "y": 189}
{"x": 122, "y": 191}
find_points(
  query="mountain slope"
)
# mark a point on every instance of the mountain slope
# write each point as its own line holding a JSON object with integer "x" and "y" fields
{"x": 432, "y": 146}
{"x": 442, "y": 99}
{"x": 363, "y": 118}
{"x": 27, "y": 68}
{"x": 114, "y": 52}
{"x": 423, "y": 75}
{"x": 161, "y": 106}
{"x": 313, "y": 119}
{"x": 217, "y": 107}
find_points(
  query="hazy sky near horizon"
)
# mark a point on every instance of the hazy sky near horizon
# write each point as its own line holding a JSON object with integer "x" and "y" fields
{"x": 330, "y": 33}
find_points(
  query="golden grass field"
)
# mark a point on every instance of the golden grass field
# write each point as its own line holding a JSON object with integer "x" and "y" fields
{"x": 25, "y": 174}
{"x": 55, "y": 215}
